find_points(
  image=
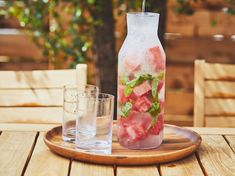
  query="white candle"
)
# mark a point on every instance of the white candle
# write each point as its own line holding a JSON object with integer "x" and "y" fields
{"x": 81, "y": 76}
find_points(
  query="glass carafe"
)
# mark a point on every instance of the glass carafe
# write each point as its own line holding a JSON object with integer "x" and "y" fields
{"x": 141, "y": 84}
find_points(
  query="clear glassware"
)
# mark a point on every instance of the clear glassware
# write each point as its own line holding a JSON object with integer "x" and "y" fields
{"x": 141, "y": 84}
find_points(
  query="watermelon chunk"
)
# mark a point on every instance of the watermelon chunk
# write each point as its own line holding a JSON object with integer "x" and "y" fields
{"x": 142, "y": 89}
{"x": 160, "y": 85}
{"x": 136, "y": 132}
{"x": 158, "y": 126}
{"x": 131, "y": 66}
{"x": 121, "y": 96}
{"x": 156, "y": 58}
{"x": 142, "y": 104}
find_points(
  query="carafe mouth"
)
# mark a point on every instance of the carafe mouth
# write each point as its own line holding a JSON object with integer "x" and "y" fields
{"x": 142, "y": 21}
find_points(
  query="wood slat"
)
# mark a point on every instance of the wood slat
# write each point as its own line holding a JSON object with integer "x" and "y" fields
{"x": 179, "y": 103}
{"x": 231, "y": 140}
{"x": 213, "y": 131}
{"x": 36, "y": 79}
{"x": 46, "y": 115}
{"x": 219, "y": 71}
{"x": 137, "y": 171}
{"x": 86, "y": 169}
{"x": 220, "y": 89}
{"x": 220, "y": 107}
{"x": 44, "y": 162}
{"x": 223, "y": 121}
{"x": 180, "y": 120}
{"x": 26, "y": 127}
{"x": 198, "y": 119}
{"x": 216, "y": 156}
{"x": 15, "y": 148}
{"x": 31, "y": 97}
{"x": 188, "y": 166}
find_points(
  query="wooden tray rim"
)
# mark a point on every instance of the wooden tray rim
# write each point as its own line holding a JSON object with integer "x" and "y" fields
{"x": 187, "y": 151}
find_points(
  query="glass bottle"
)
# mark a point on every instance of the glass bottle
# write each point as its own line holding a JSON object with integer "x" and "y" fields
{"x": 141, "y": 84}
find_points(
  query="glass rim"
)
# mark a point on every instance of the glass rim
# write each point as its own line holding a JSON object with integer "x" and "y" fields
{"x": 107, "y": 98}
{"x": 74, "y": 86}
{"x": 146, "y": 14}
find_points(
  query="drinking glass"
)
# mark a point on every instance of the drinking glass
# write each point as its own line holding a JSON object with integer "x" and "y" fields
{"x": 70, "y": 109}
{"x": 94, "y": 123}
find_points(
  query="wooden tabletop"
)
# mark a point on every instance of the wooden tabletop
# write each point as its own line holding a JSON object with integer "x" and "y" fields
{"x": 24, "y": 153}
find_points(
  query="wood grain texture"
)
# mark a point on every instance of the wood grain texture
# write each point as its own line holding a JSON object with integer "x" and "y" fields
{"x": 219, "y": 71}
{"x": 177, "y": 143}
{"x": 26, "y": 127}
{"x": 36, "y": 79}
{"x": 15, "y": 148}
{"x": 231, "y": 140}
{"x": 216, "y": 156}
{"x": 187, "y": 167}
{"x": 220, "y": 89}
{"x": 212, "y": 131}
{"x": 31, "y": 97}
{"x": 44, "y": 162}
{"x": 43, "y": 115}
{"x": 137, "y": 171}
{"x": 220, "y": 121}
{"x": 220, "y": 107}
{"x": 198, "y": 119}
{"x": 86, "y": 169}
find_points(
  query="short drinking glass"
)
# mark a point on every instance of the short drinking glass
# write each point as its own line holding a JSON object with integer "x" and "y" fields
{"x": 70, "y": 109}
{"x": 94, "y": 123}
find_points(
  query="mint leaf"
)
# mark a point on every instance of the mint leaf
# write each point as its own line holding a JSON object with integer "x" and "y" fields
{"x": 154, "y": 88}
{"x": 127, "y": 91}
{"x": 124, "y": 79}
{"x": 125, "y": 109}
{"x": 160, "y": 75}
{"x": 139, "y": 79}
{"x": 154, "y": 111}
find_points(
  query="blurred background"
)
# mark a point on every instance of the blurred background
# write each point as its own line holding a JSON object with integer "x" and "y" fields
{"x": 53, "y": 34}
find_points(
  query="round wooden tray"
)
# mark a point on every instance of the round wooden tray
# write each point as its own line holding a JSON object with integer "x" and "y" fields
{"x": 177, "y": 143}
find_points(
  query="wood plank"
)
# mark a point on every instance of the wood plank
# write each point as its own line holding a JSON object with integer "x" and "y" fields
{"x": 231, "y": 140}
{"x": 180, "y": 120}
{"x": 137, "y": 171}
{"x": 188, "y": 166}
{"x": 179, "y": 103}
{"x": 15, "y": 148}
{"x": 213, "y": 131}
{"x": 79, "y": 168}
{"x": 37, "y": 79}
{"x": 220, "y": 89}
{"x": 199, "y": 93}
{"x": 26, "y": 127}
{"x": 219, "y": 71}
{"x": 219, "y": 107}
{"x": 44, "y": 162}
{"x": 216, "y": 156}
{"x": 43, "y": 115}
{"x": 31, "y": 97}
{"x": 223, "y": 121}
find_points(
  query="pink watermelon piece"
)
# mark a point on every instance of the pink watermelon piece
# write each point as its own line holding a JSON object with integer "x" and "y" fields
{"x": 136, "y": 132}
{"x": 142, "y": 104}
{"x": 158, "y": 126}
{"x": 142, "y": 89}
{"x": 156, "y": 58}
{"x": 131, "y": 66}
{"x": 160, "y": 85}
{"x": 121, "y": 96}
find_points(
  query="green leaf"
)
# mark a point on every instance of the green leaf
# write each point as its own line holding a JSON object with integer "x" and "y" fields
{"x": 154, "y": 111}
{"x": 127, "y": 91}
{"x": 139, "y": 79}
{"x": 125, "y": 109}
{"x": 160, "y": 75}
{"x": 124, "y": 79}
{"x": 154, "y": 88}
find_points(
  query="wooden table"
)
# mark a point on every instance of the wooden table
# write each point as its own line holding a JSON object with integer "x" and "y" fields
{"x": 24, "y": 152}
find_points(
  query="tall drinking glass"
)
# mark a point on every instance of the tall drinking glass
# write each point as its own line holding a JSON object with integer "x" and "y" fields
{"x": 70, "y": 109}
{"x": 94, "y": 123}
